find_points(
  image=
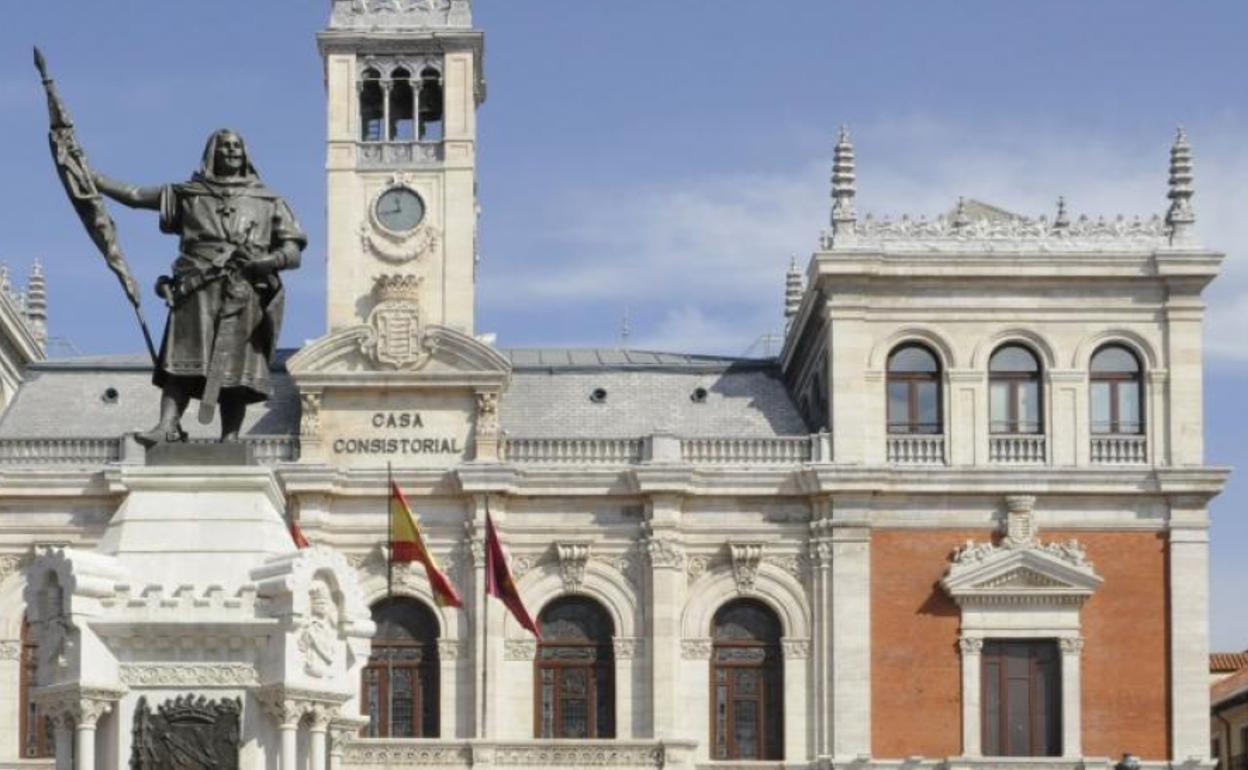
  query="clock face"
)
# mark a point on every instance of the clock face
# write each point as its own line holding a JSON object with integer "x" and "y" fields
{"x": 400, "y": 210}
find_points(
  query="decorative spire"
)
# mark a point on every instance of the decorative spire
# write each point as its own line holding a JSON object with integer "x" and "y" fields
{"x": 37, "y": 304}
{"x": 625, "y": 331}
{"x": 1180, "y": 217}
{"x": 1061, "y": 222}
{"x": 844, "y": 217}
{"x": 792, "y": 291}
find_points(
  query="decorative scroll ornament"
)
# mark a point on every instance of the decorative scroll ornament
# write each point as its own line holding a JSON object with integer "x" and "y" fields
{"x": 310, "y": 416}
{"x": 396, "y": 339}
{"x": 487, "y": 413}
{"x": 665, "y": 553}
{"x": 971, "y": 645}
{"x": 400, "y": 248}
{"x": 572, "y": 560}
{"x": 185, "y": 732}
{"x": 745, "y": 561}
{"x": 519, "y": 649}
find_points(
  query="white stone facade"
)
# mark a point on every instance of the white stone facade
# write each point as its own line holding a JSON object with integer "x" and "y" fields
{"x": 777, "y": 481}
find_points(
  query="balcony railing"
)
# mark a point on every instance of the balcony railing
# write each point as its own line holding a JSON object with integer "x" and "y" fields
{"x": 623, "y": 753}
{"x": 573, "y": 451}
{"x": 1120, "y": 450}
{"x": 267, "y": 450}
{"x": 916, "y": 450}
{"x": 748, "y": 451}
{"x": 1018, "y": 449}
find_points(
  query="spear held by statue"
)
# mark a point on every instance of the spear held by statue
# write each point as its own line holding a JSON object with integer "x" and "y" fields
{"x": 75, "y": 173}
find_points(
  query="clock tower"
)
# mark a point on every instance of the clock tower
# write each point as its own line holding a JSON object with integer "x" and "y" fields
{"x": 404, "y": 80}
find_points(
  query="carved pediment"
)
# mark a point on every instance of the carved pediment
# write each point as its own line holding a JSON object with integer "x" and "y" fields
{"x": 1032, "y": 573}
{"x": 435, "y": 355}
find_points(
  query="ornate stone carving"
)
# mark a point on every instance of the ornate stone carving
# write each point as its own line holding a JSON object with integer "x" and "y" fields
{"x": 523, "y": 564}
{"x": 390, "y": 246}
{"x": 401, "y": 14}
{"x": 396, "y": 339}
{"x": 627, "y": 564}
{"x": 696, "y": 567}
{"x": 357, "y": 753}
{"x": 1071, "y": 645}
{"x": 665, "y": 552}
{"x": 546, "y": 755}
{"x": 310, "y": 415}
{"x": 10, "y": 649}
{"x": 185, "y": 732}
{"x": 745, "y": 561}
{"x": 820, "y": 553}
{"x": 1021, "y": 534}
{"x": 9, "y": 563}
{"x": 1020, "y": 521}
{"x": 487, "y": 413}
{"x": 795, "y": 649}
{"x": 176, "y": 675}
{"x": 1011, "y": 233}
{"x": 625, "y": 647}
{"x": 971, "y": 645}
{"x": 451, "y": 649}
{"x": 573, "y": 558}
{"x": 695, "y": 649}
{"x": 319, "y": 638}
{"x": 794, "y": 564}
{"x": 519, "y": 649}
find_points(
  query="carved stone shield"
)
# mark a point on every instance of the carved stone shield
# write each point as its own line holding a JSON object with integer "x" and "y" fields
{"x": 187, "y": 734}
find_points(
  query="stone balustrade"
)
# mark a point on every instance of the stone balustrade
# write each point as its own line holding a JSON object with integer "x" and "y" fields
{"x": 573, "y": 451}
{"x": 1120, "y": 450}
{"x": 916, "y": 450}
{"x": 1017, "y": 449}
{"x": 59, "y": 451}
{"x": 622, "y": 753}
{"x": 748, "y": 451}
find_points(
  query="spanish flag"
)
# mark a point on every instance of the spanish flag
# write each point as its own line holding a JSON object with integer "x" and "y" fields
{"x": 408, "y": 545}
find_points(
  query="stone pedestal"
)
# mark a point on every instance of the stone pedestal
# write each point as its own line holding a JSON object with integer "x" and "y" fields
{"x": 197, "y": 603}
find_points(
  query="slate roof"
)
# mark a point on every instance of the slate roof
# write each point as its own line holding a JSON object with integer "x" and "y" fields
{"x": 550, "y": 396}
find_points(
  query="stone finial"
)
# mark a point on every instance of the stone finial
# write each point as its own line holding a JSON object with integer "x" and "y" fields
{"x": 793, "y": 289}
{"x": 844, "y": 217}
{"x": 1180, "y": 217}
{"x": 961, "y": 220}
{"x": 37, "y": 304}
{"x": 1061, "y": 221}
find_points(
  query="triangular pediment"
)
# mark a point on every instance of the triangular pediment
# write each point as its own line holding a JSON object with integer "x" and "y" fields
{"x": 1027, "y": 574}
{"x": 443, "y": 356}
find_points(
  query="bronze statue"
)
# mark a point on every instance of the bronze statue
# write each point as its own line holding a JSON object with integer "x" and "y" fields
{"x": 224, "y": 296}
{"x": 225, "y": 299}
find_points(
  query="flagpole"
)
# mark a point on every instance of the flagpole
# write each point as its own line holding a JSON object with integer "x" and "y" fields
{"x": 389, "y": 531}
{"x": 485, "y": 633}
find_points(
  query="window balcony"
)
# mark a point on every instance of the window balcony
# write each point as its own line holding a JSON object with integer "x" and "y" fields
{"x": 1120, "y": 450}
{"x": 916, "y": 449}
{"x": 1017, "y": 449}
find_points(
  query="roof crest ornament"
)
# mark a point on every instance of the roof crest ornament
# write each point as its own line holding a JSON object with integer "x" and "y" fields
{"x": 1180, "y": 217}
{"x": 401, "y": 14}
{"x": 793, "y": 289}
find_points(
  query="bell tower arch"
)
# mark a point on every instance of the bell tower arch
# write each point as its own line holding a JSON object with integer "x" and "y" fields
{"x": 404, "y": 80}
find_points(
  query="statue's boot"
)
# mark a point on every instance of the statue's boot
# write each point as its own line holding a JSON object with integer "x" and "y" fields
{"x": 169, "y": 429}
{"x": 233, "y": 410}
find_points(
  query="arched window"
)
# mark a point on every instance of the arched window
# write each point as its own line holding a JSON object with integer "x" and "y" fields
{"x": 402, "y": 107}
{"x": 431, "y": 112}
{"x": 1014, "y": 391}
{"x": 372, "y": 108}
{"x": 1117, "y": 395}
{"x": 747, "y": 683}
{"x": 400, "y": 692}
{"x": 36, "y": 729}
{"x": 914, "y": 391}
{"x": 575, "y": 671}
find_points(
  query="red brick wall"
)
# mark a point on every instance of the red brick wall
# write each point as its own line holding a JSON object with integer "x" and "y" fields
{"x": 916, "y": 669}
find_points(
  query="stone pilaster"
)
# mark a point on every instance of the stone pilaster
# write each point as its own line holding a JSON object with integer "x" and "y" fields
{"x": 1189, "y": 629}
{"x": 850, "y": 627}
{"x": 665, "y": 553}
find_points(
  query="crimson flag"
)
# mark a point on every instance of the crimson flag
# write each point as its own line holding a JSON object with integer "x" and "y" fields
{"x": 498, "y": 580}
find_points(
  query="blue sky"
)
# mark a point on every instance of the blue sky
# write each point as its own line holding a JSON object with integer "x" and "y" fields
{"x": 669, "y": 156}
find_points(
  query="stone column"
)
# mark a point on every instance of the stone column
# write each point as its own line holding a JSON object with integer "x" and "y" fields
{"x": 318, "y": 736}
{"x": 1072, "y": 697}
{"x": 88, "y": 713}
{"x": 1189, "y": 629}
{"x": 288, "y": 713}
{"x": 10, "y": 688}
{"x": 972, "y": 658}
{"x": 850, "y": 628}
{"x": 386, "y": 86}
{"x": 63, "y": 740}
{"x": 666, "y": 599}
{"x": 476, "y": 601}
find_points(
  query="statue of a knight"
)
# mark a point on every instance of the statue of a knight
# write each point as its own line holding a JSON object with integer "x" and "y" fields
{"x": 224, "y": 295}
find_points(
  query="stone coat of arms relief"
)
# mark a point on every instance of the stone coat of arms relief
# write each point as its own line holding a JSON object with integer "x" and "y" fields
{"x": 396, "y": 338}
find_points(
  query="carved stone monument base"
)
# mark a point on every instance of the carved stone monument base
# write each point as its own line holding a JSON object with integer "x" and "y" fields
{"x": 214, "y": 455}
{"x": 197, "y": 629}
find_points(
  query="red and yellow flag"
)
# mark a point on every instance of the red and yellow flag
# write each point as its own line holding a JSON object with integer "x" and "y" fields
{"x": 408, "y": 545}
